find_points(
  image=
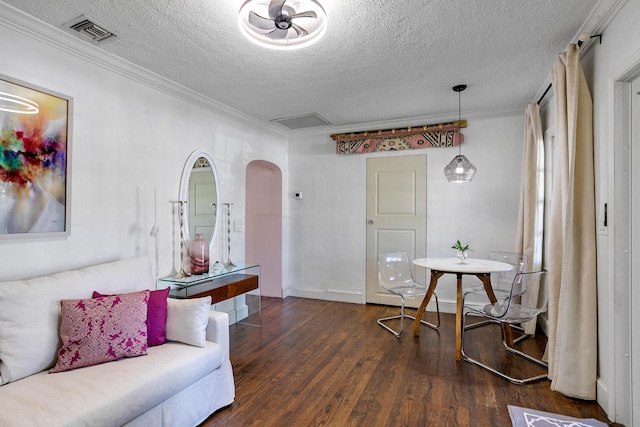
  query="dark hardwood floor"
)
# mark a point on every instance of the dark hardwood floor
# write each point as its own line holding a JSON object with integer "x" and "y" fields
{"x": 322, "y": 363}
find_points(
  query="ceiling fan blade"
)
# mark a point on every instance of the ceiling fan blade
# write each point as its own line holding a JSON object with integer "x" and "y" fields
{"x": 288, "y": 10}
{"x": 277, "y": 34}
{"x": 301, "y": 31}
{"x": 275, "y": 8}
{"x": 260, "y": 22}
{"x": 308, "y": 14}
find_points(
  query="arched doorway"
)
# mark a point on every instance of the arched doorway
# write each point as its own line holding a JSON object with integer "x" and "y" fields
{"x": 263, "y": 224}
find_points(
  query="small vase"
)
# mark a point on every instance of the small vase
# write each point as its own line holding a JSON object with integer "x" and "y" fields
{"x": 462, "y": 256}
{"x": 199, "y": 255}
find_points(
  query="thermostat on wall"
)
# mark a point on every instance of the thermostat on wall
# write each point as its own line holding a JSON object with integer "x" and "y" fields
{"x": 297, "y": 195}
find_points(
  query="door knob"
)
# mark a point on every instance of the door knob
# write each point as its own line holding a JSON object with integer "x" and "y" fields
{"x": 370, "y": 222}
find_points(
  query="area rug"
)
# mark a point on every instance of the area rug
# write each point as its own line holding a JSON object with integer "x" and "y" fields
{"x": 525, "y": 417}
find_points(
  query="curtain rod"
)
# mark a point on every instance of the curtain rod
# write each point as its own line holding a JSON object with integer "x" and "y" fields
{"x": 582, "y": 38}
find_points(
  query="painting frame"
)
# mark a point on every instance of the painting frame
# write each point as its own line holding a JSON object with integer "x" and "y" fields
{"x": 36, "y": 126}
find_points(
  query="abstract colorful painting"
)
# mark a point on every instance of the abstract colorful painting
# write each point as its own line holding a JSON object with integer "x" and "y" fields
{"x": 35, "y": 145}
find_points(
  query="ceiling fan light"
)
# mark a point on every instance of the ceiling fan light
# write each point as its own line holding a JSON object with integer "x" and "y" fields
{"x": 292, "y": 29}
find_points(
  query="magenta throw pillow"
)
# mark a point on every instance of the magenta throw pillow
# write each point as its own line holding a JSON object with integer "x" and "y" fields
{"x": 102, "y": 329}
{"x": 156, "y": 316}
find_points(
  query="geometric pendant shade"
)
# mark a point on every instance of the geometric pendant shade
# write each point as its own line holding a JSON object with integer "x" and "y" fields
{"x": 460, "y": 169}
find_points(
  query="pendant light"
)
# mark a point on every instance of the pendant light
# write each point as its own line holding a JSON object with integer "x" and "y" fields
{"x": 460, "y": 169}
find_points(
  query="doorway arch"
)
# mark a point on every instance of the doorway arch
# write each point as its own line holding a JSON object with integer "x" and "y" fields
{"x": 263, "y": 224}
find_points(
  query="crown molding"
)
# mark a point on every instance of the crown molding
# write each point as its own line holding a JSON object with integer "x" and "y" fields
{"x": 57, "y": 38}
{"x": 415, "y": 121}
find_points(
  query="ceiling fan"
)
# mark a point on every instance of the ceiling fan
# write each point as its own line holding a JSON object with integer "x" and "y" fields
{"x": 282, "y": 24}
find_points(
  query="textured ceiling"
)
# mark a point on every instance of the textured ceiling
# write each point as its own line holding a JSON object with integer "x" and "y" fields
{"x": 380, "y": 60}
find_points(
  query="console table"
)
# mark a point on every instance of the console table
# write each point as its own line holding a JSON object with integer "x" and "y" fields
{"x": 222, "y": 284}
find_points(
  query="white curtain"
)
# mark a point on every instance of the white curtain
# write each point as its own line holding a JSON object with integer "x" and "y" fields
{"x": 572, "y": 345}
{"x": 531, "y": 215}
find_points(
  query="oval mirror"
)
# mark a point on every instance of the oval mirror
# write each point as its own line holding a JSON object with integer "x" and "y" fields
{"x": 199, "y": 188}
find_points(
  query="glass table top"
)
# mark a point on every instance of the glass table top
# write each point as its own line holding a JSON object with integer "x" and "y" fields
{"x": 212, "y": 274}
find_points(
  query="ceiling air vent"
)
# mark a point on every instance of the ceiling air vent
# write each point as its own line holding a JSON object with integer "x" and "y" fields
{"x": 304, "y": 121}
{"x": 89, "y": 28}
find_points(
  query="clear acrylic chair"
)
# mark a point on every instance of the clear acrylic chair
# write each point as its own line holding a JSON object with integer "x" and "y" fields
{"x": 500, "y": 282}
{"x": 395, "y": 276}
{"x": 512, "y": 312}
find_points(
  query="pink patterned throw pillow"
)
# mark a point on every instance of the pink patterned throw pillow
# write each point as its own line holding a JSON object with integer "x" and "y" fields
{"x": 102, "y": 329}
{"x": 156, "y": 315}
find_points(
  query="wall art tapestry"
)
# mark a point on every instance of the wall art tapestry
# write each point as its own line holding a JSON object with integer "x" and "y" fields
{"x": 35, "y": 142}
{"x": 409, "y": 138}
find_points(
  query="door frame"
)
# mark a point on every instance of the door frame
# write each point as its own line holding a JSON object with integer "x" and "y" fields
{"x": 620, "y": 254}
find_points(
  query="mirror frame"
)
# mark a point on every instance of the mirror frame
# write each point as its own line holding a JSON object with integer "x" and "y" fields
{"x": 184, "y": 193}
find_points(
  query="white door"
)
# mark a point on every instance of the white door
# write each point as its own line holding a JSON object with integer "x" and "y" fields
{"x": 396, "y": 216}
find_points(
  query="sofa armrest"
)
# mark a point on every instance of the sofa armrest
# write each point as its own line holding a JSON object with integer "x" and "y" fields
{"x": 218, "y": 330}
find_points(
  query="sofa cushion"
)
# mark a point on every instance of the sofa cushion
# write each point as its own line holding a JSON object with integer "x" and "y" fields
{"x": 109, "y": 394}
{"x": 30, "y": 310}
{"x": 103, "y": 329}
{"x": 156, "y": 316}
{"x": 187, "y": 320}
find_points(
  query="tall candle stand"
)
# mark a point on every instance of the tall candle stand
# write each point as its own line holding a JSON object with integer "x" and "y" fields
{"x": 217, "y": 266}
{"x": 182, "y": 273}
{"x": 228, "y": 264}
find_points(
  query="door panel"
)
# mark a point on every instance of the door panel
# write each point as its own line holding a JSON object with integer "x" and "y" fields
{"x": 390, "y": 201}
{"x": 391, "y": 240}
{"x": 396, "y": 216}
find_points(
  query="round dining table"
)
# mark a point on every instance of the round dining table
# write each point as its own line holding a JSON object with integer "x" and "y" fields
{"x": 481, "y": 268}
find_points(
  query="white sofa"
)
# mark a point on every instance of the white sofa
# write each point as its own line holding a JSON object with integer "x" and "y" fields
{"x": 175, "y": 384}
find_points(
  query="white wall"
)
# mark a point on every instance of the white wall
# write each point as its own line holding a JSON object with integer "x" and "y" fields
{"x": 128, "y": 139}
{"x": 328, "y": 231}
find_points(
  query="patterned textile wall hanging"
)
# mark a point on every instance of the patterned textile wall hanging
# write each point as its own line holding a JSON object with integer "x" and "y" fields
{"x": 410, "y": 138}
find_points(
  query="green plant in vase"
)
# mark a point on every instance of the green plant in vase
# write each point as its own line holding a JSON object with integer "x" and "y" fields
{"x": 463, "y": 250}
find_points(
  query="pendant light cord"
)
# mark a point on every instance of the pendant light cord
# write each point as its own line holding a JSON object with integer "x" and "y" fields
{"x": 459, "y": 139}
{"x": 459, "y": 88}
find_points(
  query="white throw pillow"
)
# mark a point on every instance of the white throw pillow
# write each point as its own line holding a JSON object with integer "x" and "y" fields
{"x": 187, "y": 320}
{"x": 30, "y": 311}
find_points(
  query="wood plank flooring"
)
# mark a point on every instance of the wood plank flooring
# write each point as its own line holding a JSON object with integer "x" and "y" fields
{"x": 322, "y": 363}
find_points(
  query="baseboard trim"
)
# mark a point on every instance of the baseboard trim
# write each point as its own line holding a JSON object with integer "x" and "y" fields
{"x": 326, "y": 294}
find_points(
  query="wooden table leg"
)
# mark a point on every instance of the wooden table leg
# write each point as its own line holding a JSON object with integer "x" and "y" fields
{"x": 435, "y": 275}
{"x": 486, "y": 281}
